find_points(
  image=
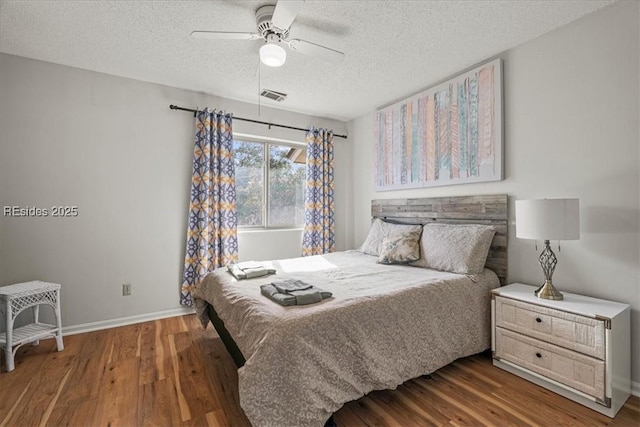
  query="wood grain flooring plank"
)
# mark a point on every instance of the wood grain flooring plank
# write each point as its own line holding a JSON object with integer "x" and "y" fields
{"x": 192, "y": 370}
{"x": 147, "y": 338}
{"x": 389, "y": 417}
{"x": 17, "y": 404}
{"x": 626, "y": 418}
{"x": 476, "y": 372}
{"x": 84, "y": 382}
{"x": 126, "y": 342}
{"x": 547, "y": 406}
{"x": 28, "y": 359}
{"x": 43, "y": 389}
{"x": 439, "y": 413}
{"x": 45, "y": 417}
{"x": 388, "y": 401}
{"x": 13, "y": 385}
{"x": 139, "y": 344}
{"x": 222, "y": 377}
{"x": 407, "y": 403}
{"x": 163, "y": 362}
{"x": 345, "y": 417}
{"x": 189, "y": 356}
{"x": 148, "y": 371}
{"x": 193, "y": 324}
{"x": 633, "y": 404}
{"x": 158, "y": 404}
{"x": 367, "y": 413}
{"x": 406, "y": 407}
{"x": 117, "y": 403}
{"x": 216, "y": 419}
{"x": 437, "y": 406}
{"x": 485, "y": 410}
{"x": 174, "y": 325}
{"x": 78, "y": 414}
{"x": 115, "y": 414}
{"x": 155, "y": 359}
{"x": 182, "y": 401}
{"x": 466, "y": 382}
{"x": 225, "y": 385}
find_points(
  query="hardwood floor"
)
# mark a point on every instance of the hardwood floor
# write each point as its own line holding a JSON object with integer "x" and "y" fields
{"x": 171, "y": 372}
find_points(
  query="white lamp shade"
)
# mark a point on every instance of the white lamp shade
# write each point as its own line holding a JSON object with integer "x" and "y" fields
{"x": 548, "y": 219}
{"x": 272, "y": 54}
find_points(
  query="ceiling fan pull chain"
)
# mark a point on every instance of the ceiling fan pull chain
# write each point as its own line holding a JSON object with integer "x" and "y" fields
{"x": 259, "y": 86}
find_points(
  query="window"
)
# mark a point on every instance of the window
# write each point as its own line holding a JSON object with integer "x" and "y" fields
{"x": 270, "y": 182}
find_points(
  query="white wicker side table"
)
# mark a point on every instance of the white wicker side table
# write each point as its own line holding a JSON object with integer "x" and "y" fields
{"x": 17, "y": 298}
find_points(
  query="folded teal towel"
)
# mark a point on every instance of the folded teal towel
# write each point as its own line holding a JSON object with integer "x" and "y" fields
{"x": 293, "y": 292}
{"x": 249, "y": 270}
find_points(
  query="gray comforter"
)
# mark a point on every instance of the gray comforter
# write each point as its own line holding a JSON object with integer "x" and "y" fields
{"x": 384, "y": 325}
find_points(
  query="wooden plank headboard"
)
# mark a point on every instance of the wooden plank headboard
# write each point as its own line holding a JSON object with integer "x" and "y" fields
{"x": 485, "y": 209}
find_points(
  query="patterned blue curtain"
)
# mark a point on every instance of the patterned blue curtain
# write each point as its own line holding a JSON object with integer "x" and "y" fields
{"x": 318, "y": 236}
{"x": 211, "y": 233}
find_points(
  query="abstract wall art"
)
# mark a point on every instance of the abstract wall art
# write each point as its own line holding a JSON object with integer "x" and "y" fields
{"x": 448, "y": 134}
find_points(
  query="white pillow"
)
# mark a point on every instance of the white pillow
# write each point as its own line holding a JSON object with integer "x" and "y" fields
{"x": 457, "y": 248}
{"x": 379, "y": 230}
{"x": 401, "y": 249}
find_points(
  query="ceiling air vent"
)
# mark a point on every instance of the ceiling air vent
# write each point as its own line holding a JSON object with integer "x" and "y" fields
{"x": 273, "y": 95}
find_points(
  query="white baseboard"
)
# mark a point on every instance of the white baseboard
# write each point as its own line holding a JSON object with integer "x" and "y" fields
{"x": 635, "y": 388}
{"x": 123, "y": 321}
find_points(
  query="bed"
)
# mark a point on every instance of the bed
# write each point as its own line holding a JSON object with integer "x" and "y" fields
{"x": 384, "y": 325}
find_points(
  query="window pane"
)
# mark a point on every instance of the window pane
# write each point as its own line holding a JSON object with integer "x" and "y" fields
{"x": 286, "y": 185}
{"x": 249, "y": 161}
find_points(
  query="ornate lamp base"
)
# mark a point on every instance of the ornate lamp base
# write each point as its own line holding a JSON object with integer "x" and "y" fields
{"x": 548, "y": 263}
{"x": 547, "y": 291}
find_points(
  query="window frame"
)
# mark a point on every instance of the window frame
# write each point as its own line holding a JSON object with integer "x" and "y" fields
{"x": 266, "y": 142}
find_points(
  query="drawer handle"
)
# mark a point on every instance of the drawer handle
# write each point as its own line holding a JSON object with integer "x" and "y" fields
{"x": 539, "y": 320}
{"x": 538, "y": 355}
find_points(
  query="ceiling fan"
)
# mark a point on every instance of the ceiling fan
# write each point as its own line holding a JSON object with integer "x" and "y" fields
{"x": 273, "y": 23}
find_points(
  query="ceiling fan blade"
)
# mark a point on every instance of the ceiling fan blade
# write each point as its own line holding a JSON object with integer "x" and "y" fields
{"x": 286, "y": 11}
{"x": 312, "y": 49}
{"x": 223, "y": 35}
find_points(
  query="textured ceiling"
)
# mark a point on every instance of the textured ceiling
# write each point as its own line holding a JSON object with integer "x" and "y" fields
{"x": 393, "y": 48}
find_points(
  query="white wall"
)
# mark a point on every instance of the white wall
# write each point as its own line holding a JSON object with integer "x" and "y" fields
{"x": 261, "y": 245}
{"x": 571, "y": 130}
{"x": 112, "y": 147}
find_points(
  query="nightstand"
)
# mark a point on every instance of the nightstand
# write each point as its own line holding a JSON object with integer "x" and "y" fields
{"x": 578, "y": 347}
{"x": 16, "y": 298}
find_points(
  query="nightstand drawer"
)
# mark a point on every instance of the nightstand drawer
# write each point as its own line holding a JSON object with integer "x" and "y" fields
{"x": 573, "y": 369}
{"x": 583, "y": 334}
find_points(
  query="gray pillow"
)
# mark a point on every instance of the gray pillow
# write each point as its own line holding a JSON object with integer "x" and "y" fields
{"x": 457, "y": 248}
{"x": 379, "y": 230}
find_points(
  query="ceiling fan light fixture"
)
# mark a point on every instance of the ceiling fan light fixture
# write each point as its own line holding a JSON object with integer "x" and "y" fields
{"x": 272, "y": 54}
{"x": 273, "y": 22}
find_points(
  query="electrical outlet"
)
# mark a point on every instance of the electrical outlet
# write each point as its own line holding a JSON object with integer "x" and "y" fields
{"x": 126, "y": 289}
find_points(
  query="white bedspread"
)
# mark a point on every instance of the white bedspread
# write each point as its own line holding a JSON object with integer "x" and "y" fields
{"x": 384, "y": 325}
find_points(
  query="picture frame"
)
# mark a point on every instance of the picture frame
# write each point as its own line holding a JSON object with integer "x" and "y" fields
{"x": 449, "y": 134}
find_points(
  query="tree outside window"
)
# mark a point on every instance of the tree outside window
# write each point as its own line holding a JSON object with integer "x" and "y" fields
{"x": 270, "y": 196}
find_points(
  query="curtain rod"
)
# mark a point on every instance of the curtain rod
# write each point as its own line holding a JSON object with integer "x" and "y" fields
{"x": 175, "y": 107}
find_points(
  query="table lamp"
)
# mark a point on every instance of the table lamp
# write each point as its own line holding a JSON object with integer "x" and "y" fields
{"x": 548, "y": 219}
